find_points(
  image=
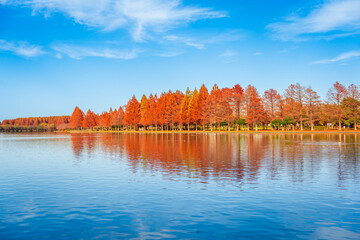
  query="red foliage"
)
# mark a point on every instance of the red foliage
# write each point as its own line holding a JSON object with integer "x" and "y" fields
{"x": 35, "y": 121}
{"x": 132, "y": 112}
{"x": 217, "y": 107}
{"x": 77, "y": 118}
{"x": 176, "y": 110}
{"x": 255, "y": 108}
{"x": 89, "y": 120}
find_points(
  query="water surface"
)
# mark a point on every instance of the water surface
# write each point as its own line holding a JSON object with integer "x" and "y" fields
{"x": 189, "y": 186}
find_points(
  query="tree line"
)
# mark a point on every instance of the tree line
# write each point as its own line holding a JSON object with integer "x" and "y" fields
{"x": 35, "y": 124}
{"x": 236, "y": 108}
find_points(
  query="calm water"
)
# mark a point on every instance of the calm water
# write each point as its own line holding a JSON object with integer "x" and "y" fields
{"x": 158, "y": 186}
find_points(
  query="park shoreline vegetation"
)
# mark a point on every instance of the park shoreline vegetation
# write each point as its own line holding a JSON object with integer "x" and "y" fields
{"x": 233, "y": 109}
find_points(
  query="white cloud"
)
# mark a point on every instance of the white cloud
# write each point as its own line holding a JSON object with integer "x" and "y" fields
{"x": 195, "y": 45}
{"x": 138, "y": 16}
{"x": 257, "y": 54}
{"x": 23, "y": 49}
{"x": 335, "y": 18}
{"x": 228, "y": 53}
{"x": 186, "y": 41}
{"x": 76, "y": 52}
{"x": 201, "y": 42}
{"x": 341, "y": 57}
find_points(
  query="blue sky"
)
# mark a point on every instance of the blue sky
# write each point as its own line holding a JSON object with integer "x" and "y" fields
{"x": 56, "y": 54}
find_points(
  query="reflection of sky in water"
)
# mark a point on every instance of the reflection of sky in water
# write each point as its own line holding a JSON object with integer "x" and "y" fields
{"x": 184, "y": 186}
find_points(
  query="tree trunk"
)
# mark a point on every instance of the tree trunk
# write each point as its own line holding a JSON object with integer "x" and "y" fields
{"x": 340, "y": 124}
{"x": 355, "y": 121}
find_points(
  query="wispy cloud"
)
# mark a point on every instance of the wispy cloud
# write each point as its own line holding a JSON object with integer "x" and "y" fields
{"x": 168, "y": 54}
{"x": 77, "y": 52}
{"x": 228, "y": 53}
{"x": 257, "y": 53}
{"x": 200, "y": 42}
{"x": 138, "y": 16}
{"x": 187, "y": 41}
{"x": 340, "y": 58}
{"x": 333, "y": 19}
{"x": 23, "y": 49}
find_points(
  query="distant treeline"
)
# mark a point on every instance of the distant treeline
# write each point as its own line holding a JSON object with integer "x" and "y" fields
{"x": 235, "y": 108}
{"x": 35, "y": 124}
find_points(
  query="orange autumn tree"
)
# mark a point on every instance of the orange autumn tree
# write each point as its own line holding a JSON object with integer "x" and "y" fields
{"x": 150, "y": 114}
{"x": 351, "y": 104}
{"x": 132, "y": 113}
{"x": 179, "y": 97}
{"x": 117, "y": 118}
{"x": 200, "y": 106}
{"x": 271, "y": 100}
{"x": 161, "y": 111}
{"x": 227, "y": 97}
{"x": 289, "y": 103}
{"x": 76, "y": 118}
{"x": 312, "y": 105}
{"x": 255, "y": 108}
{"x": 143, "y": 105}
{"x": 184, "y": 109}
{"x": 192, "y": 109}
{"x": 335, "y": 96}
{"x": 217, "y": 108}
{"x": 171, "y": 109}
{"x": 300, "y": 108}
{"x": 89, "y": 120}
{"x": 237, "y": 100}
{"x": 105, "y": 119}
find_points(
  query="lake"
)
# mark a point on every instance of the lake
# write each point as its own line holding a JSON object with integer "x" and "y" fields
{"x": 180, "y": 186}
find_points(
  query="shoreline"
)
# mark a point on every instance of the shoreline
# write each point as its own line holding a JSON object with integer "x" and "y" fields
{"x": 222, "y": 132}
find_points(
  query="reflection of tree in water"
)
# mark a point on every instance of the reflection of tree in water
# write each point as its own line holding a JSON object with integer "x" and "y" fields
{"x": 293, "y": 155}
{"x": 91, "y": 140}
{"x": 78, "y": 143}
{"x": 82, "y": 142}
{"x": 348, "y": 155}
{"x": 238, "y": 157}
{"x": 256, "y": 147}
